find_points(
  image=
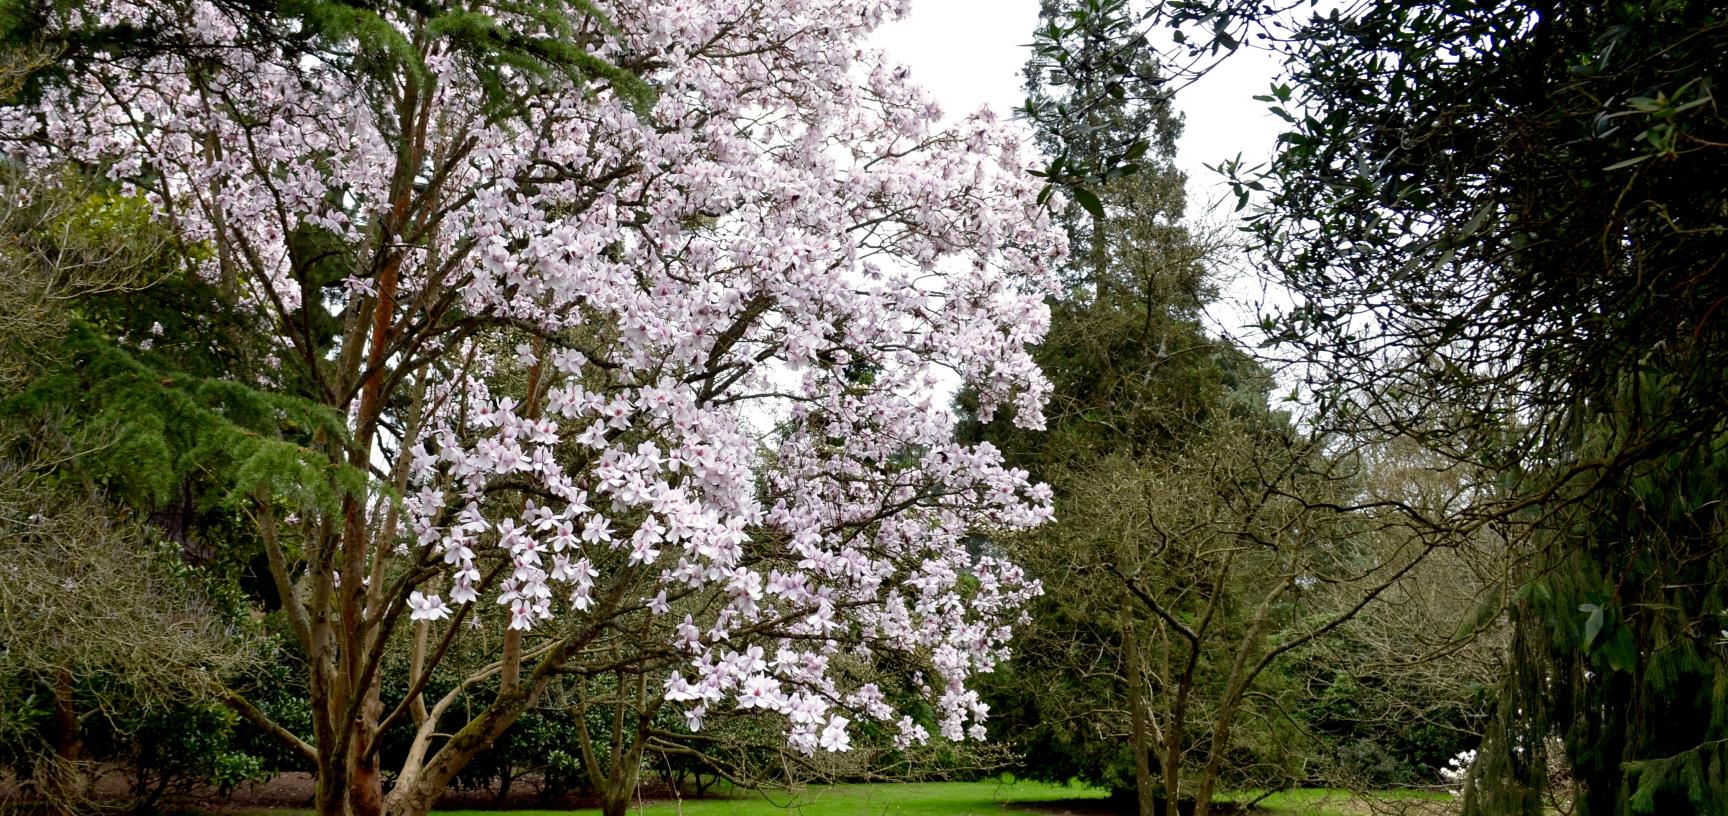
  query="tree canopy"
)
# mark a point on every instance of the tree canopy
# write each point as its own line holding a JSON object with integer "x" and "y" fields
{"x": 1501, "y": 225}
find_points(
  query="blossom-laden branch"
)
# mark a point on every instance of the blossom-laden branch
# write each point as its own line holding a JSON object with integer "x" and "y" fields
{"x": 785, "y": 218}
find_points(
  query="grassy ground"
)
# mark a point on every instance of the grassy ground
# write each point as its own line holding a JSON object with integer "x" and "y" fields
{"x": 1329, "y": 802}
{"x": 898, "y": 799}
{"x": 976, "y": 799}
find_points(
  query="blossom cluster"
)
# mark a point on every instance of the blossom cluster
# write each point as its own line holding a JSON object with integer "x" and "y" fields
{"x": 786, "y": 237}
{"x": 1457, "y": 770}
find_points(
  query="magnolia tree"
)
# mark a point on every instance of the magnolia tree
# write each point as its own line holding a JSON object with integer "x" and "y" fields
{"x": 554, "y": 263}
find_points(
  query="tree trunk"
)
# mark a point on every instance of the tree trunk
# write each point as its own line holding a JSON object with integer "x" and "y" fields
{"x": 365, "y": 783}
{"x": 1138, "y": 743}
{"x": 1172, "y": 768}
{"x": 331, "y": 796}
{"x": 615, "y": 802}
{"x": 418, "y": 793}
{"x": 616, "y": 795}
{"x": 1175, "y": 732}
{"x": 506, "y": 771}
{"x": 63, "y": 784}
{"x": 1214, "y": 763}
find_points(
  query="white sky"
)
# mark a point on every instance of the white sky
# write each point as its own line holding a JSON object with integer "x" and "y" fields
{"x": 968, "y": 53}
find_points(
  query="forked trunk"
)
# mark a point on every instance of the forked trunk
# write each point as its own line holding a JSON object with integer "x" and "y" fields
{"x": 620, "y": 789}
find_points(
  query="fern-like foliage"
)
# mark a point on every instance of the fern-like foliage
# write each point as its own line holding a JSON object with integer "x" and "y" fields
{"x": 144, "y": 430}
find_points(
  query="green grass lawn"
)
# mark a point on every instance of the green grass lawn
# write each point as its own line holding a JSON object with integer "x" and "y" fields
{"x": 994, "y": 798}
{"x": 903, "y": 799}
{"x": 991, "y": 798}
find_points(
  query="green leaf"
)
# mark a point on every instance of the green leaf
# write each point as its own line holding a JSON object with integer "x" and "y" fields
{"x": 1620, "y": 651}
{"x": 1627, "y": 163}
{"x": 1592, "y": 624}
{"x": 1088, "y": 201}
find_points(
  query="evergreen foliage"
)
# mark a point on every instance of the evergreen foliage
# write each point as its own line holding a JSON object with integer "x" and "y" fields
{"x": 1097, "y": 99}
{"x": 1503, "y": 225}
{"x": 567, "y": 32}
{"x": 1063, "y": 700}
{"x": 158, "y": 429}
{"x": 1145, "y": 405}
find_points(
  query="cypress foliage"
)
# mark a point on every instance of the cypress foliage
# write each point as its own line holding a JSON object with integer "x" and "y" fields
{"x": 1620, "y": 659}
{"x": 102, "y": 286}
{"x": 152, "y": 429}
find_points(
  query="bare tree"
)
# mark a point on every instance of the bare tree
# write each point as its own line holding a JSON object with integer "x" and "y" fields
{"x": 1214, "y": 563}
{"x": 82, "y": 596}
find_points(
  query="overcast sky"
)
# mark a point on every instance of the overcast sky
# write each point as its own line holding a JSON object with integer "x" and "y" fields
{"x": 968, "y": 53}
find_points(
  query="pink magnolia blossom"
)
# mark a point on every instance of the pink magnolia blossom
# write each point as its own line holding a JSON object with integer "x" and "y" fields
{"x": 427, "y": 607}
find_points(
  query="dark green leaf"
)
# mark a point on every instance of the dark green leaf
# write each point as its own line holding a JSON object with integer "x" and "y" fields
{"x": 1088, "y": 201}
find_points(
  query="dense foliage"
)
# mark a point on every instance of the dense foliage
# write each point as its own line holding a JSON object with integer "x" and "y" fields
{"x": 1199, "y": 541}
{"x": 1502, "y": 224}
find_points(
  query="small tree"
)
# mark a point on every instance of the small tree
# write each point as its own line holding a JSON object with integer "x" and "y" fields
{"x": 98, "y": 624}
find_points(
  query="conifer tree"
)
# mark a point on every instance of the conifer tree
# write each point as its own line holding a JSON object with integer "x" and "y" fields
{"x": 1136, "y": 381}
{"x": 1202, "y": 536}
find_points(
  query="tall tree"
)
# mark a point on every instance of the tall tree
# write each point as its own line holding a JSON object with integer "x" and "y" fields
{"x": 515, "y": 281}
{"x": 1131, "y": 294}
{"x": 1203, "y": 538}
{"x": 1136, "y": 381}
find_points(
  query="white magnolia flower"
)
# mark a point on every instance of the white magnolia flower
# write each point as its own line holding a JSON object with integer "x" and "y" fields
{"x": 427, "y": 607}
